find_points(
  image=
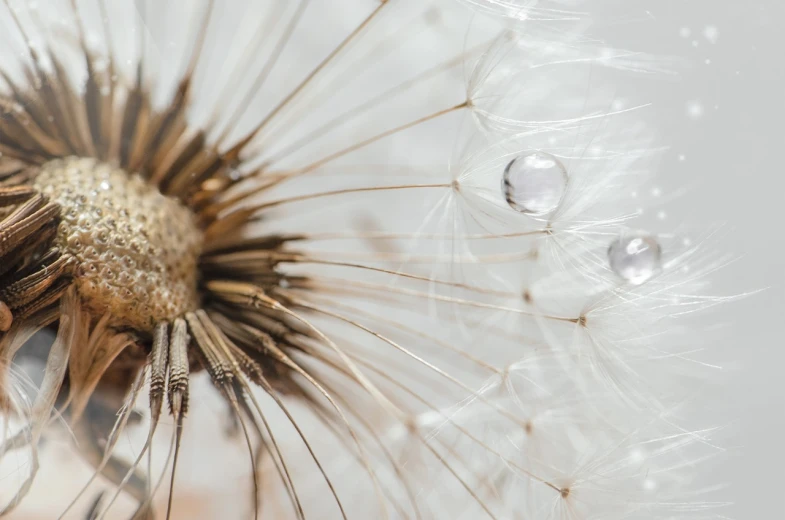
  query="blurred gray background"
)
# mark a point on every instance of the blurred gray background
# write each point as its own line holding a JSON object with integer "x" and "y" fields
{"x": 725, "y": 121}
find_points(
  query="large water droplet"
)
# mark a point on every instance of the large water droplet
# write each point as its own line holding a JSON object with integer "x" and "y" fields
{"x": 636, "y": 258}
{"x": 534, "y": 183}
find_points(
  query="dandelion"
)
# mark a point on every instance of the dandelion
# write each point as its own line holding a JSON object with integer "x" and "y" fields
{"x": 407, "y": 268}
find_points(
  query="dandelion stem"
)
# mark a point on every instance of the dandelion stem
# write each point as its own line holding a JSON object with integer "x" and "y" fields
{"x": 311, "y": 196}
{"x": 364, "y": 107}
{"x": 382, "y": 235}
{"x": 419, "y": 294}
{"x": 362, "y": 144}
{"x": 272, "y": 60}
{"x": 297, "y": 90}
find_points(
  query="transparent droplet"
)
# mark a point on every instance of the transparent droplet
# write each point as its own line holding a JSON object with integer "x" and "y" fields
{"x": 636, "y": 258}
{"x": 534, "y": 183}
{"x": 695, "y": 109}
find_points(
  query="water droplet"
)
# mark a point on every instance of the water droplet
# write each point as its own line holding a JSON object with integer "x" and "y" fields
{"x": 636, "y": 258}
{"x": 637, "y": 456}
{"x": 711, "y": 33}
{"x": 534, "y": 183}
{"x": 695, "y": 109}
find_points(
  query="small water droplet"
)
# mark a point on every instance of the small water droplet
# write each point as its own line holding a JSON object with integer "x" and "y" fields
{"x": 534, "y": 183}
{"x": 695, "y": 109}
{"x": 711, "y": 33}
{"x": 637, "y": 456}
{"x": 636, "y": 258}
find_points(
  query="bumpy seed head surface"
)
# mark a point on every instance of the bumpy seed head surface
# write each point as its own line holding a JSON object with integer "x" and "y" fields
{"x": 137, "y": 249}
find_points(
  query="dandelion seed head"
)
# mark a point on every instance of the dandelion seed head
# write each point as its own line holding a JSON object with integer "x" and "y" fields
{"x": 312, "y": 229}
{"x": 136, "y": 250}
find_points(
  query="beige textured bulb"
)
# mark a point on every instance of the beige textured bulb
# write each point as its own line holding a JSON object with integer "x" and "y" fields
{"x": 136, "y": 249}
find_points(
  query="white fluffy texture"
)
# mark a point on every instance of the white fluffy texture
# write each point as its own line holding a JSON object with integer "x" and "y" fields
{"x": 509, "y": 403}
